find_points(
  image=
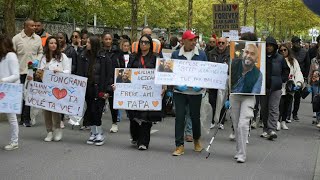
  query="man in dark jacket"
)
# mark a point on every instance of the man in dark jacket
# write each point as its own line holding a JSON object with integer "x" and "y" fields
{"x": 302, "y": 57}
{"x": 219, "y": 54}
{"x": 313, "y": 50}
{"x": 275, "y": 68}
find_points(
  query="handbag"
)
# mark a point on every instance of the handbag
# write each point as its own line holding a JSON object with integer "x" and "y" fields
{"x": 304, "y": 92}
{"x": 290, "y": 86}
{"x": 316, "y": 100}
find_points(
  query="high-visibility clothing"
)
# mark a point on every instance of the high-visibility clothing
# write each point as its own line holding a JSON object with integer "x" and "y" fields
{"x": 156, "y": 47}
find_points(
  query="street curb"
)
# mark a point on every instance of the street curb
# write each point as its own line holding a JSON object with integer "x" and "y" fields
{"x": 317, "y": 168}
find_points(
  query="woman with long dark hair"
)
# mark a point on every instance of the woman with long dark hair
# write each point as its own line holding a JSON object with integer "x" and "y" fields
{"x": 313, "y": 80}
{"x": 55, "y": 61}
{"x": 295, "y": 80}
{"x": 113, "y": 55}
{"x": 94, "y": 65}
{"x": 9, "y": 73}
{"x": 140, "y": 121}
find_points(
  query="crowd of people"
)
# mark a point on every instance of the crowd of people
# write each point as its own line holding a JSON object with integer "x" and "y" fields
{"x": 292, "y": 71}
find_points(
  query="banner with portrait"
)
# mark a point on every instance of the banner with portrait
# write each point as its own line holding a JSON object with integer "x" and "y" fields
{"x": 247, "y": 67}
{"x": 135, "y": 90}
{"x": 191, "y": 73}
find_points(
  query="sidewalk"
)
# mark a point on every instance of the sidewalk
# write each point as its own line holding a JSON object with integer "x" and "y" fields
{"x": 292, "y": 156}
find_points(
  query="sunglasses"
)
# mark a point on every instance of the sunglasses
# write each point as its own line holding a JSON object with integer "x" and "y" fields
{"x": 74, "y": 36}
{"x": 212, "y": 42}
{"x": 283, "y": 50}
{"x": 221, "y": 43}
{"x": 145, "y": 42}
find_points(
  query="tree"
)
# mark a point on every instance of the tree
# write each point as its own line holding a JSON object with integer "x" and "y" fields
{"x": 9, "y": 17}
{"x": 134, "y": 19}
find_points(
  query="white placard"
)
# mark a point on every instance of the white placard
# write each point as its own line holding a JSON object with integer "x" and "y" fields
{"x": 11, "y": 98}
{"x": 59, "y": 92}
{"x": 135, "y": 90}
{"x": 191, "y": 73}
{"x": 126, "y": 59}
{"x": 245, "y": 29}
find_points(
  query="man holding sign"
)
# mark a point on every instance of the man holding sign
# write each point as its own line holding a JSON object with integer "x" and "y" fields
{"x": 188, "y": 96}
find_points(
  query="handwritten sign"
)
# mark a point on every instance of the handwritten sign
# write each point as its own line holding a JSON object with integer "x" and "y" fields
{"x": 59, "y": 92}
{"x": 11, "y": 98}
{"x": 232, "y": 35}
{"x": 191, "y": 73}
{"x": 245, "y": 29}
{"x": 135, "y": 90}
{"x": 225, "y": 16}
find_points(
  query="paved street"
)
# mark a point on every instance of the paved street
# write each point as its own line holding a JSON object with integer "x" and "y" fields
{"x": 292, "y": 156}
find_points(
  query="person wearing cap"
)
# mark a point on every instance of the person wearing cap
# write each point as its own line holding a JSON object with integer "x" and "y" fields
{"x": 276, "y": 69}
{"x": 303, "y": 58}
{"x": 189, "y": 97}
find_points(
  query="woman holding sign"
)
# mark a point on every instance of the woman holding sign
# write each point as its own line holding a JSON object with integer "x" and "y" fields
{"x": 56, "y": 61}
{"x": 141, "y": 121}
{"x": 94, "y": 65}
{"x": 9, "y": 73}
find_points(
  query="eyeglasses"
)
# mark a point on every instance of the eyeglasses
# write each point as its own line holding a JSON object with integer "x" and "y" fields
{"x": 221, "y": 42}
{"x": 283, "y": 50}
{"x": 145, "y": 42}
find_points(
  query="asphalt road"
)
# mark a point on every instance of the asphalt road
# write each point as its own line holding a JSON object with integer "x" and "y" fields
{"x": 292, "y": 156}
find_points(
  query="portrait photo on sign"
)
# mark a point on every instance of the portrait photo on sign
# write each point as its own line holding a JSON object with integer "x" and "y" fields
{"x": 123, "y": 75}
{"x": 165, "y": 65}
{"x": 247, "y": 68}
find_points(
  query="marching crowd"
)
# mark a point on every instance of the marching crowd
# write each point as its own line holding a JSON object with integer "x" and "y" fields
{"x": 292, "y": 72}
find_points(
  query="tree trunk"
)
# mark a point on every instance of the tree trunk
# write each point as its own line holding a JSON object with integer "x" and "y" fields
{"x": 255, "y": 20}
{"x": 9, "y": 17}
{"x": 245, "y": 10}
{"x": 189, "y": 25}
{"x": 134, "y": 19}
{"x": 34, "y": 10}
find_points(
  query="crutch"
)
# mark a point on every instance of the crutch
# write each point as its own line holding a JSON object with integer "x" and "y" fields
{"x": 214, "y": 134}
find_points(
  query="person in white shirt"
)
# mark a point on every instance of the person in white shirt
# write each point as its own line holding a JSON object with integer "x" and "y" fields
{"x": 55, "y": 61}
{"x": 9, "y": 73}
{"x": 28, "y": 47}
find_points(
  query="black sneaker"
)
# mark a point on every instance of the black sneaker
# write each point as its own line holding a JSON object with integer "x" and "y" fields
{"x": 295, "y": 117}
{"x": 27, "y": 124}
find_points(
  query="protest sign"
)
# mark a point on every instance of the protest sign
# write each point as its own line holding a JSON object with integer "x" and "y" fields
{"x": 225, "y": 17}
{"x": 232, "y": 35}
{"x": 11, "y": 98}
{"x": 245, "y": 29}
{"x": 191, "y": 73}
{"x": 126, "y": 59}
{"x": 135, "y": 90}
{"x": 248, "y": 67}
{"x": 59, "y": 92}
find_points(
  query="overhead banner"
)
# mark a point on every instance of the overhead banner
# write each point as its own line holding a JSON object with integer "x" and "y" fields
{"x": 191, "y": 73}
{"x": 135, "y": 90}
{"x": 225, "y": 17}
{"x": 11, "y": 98}
{"x": 59, "y": 92}
{"x": 248, "y": 67}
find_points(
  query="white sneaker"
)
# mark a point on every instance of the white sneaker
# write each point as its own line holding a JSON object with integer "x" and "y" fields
{"x": 278, "y": 126}
{"x": 221, "y": 126}
{"x": 212, "y": 126}
{"x": 240, "y": 160}
{"x": 114, "y": 128}
{"x": 284, "y": 125}
{"x": 91, "y": 139}
{"x": 99, "y": 140}
{"x": 288, "y": 121}
{"x": 57, "y": 135}
{"x": 314, "y": 115}
{"x": 232, "y": 137}
{"x": 33, "y": 121}
{"x": 11, "y": 146}
{"x": 247, "y": 141}
{"x": 62, "y": 125}
{"x": 253, "y": 125}
{"x": 318, "y": 125}
{"x": 142, "y": 147}
{"x": 49, "y": 137}
{"x": 264, "y": 135}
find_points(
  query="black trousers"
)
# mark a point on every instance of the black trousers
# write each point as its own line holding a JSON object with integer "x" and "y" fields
{"x": 95, "y": 107}
{"x": 213, "y": 102}
{"x": 256, "y": 108}
{"x": 296, "y": 104}
{"x": 114, "y": 112}
{"x": 285, "y": 102}
{"x": 140, "y": 132}
{"x": 25, "y": 116}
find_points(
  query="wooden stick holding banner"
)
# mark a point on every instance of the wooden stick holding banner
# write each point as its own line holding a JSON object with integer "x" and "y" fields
{"x": 11, "y": 98}
{"x": 135, "y": 90}
{"x": 191, "y": 73}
